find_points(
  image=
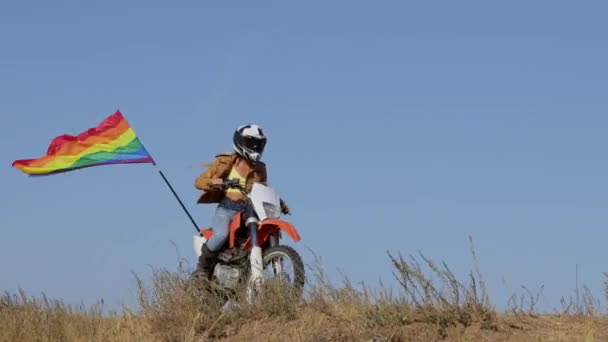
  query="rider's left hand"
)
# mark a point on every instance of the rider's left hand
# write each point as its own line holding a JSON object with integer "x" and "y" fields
{"x": 285, "y": 209}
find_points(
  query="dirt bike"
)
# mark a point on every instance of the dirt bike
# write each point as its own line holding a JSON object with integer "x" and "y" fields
{"x": 254, "y": 244}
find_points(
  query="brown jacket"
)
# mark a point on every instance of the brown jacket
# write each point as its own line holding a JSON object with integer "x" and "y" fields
{"x": 220, "y": 168}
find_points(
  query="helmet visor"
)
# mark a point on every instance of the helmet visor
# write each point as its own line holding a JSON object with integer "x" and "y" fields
{"x": 253, "y": 144}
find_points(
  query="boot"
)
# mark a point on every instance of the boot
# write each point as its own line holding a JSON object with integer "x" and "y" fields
{"x": 206, "y": 262}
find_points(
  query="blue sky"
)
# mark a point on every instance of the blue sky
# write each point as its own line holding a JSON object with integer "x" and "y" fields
{"x": 397, "y": 126}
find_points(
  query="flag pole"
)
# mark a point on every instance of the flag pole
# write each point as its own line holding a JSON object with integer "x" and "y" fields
{"x": 177, "y": 197}
{"x": 169, "y": 185}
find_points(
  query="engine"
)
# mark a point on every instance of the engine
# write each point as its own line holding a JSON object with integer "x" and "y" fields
{"x": 227, "y": 276}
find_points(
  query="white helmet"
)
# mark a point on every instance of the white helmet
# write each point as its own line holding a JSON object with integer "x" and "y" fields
{"x": 249, "y": 142}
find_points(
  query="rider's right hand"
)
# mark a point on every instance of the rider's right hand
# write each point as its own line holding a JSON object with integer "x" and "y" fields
{"x": 217, "y": 182}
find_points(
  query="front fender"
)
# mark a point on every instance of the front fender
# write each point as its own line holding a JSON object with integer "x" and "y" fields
{"x": 282, "y": 225}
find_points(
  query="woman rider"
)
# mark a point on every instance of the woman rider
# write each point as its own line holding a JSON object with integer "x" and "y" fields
{"x": 244, "y": 164}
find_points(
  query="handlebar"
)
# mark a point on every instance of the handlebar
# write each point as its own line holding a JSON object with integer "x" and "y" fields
{"x": 234, "y": 183}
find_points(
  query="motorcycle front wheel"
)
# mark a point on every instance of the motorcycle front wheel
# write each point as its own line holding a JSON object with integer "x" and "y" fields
{"x": 276, "y": 261}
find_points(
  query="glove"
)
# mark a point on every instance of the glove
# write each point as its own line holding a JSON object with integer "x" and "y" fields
{"x": 284, "y": 208}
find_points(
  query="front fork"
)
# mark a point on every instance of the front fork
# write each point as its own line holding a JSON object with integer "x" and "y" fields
{"x": 256, "y": 252}
{"x": 255, "y": 258}
{"x": 277, "y": 266}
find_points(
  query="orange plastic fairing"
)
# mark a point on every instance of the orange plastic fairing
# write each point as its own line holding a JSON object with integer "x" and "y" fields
{"x": 235, "y": 224}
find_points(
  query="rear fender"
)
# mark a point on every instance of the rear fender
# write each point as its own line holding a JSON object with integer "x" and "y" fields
{"x": 199, "y": 240}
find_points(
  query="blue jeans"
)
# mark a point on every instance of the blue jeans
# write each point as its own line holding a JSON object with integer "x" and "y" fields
{"x": 221, "y": 226}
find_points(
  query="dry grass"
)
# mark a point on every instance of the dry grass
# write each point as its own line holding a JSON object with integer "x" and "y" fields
{"x": 39, "y": 319}
{"x": 433, "y": 305}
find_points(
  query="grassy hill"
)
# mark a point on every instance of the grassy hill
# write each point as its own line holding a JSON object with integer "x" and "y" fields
{"x": 433, "y": 306}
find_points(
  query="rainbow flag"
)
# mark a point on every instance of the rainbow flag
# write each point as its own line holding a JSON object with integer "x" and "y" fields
{"x": 112, "y": 142}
